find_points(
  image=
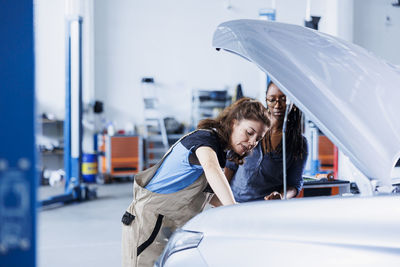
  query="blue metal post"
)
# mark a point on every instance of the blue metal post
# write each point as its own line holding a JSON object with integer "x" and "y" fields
{"x": 67, "y": 119}
{"x": 73, "y": 107}
{"x": 267, "y": 14}
{"x": 270, "y": 15}
{"x": 313, "y": 164}
{"x": 18, "y": 173}
{"x": 74, "y": 190}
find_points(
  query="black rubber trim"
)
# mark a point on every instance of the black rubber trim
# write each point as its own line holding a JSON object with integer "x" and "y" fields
{"x": 153, "y": 235}
{"x": 119, "y": 169}
{"x": 128, "y": 218}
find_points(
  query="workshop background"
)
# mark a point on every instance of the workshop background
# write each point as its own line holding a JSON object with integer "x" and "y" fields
{"x": 157, "y": 50}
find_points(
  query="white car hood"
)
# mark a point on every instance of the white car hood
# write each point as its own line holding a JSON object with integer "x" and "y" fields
{"x": 298, "y": 229}
{"x": 350, "y": 94}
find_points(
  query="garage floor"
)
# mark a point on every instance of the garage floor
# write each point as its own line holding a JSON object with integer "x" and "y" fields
{"x": 83, "y": 234}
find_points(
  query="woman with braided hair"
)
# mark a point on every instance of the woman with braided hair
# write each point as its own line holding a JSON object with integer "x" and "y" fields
{"x": 261, "y": 175}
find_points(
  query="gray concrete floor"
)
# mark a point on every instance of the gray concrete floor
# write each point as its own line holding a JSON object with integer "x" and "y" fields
{"x": 86, "y": 233}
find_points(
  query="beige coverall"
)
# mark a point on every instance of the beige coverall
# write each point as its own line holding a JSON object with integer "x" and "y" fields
{"x": 142, "y": 241}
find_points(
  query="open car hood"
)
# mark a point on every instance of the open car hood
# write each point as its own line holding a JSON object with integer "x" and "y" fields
{"x": 350, "y": 94}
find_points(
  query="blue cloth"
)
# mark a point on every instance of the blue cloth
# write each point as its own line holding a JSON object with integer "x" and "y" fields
{"x": 175, "y": 173}
{"x": 261, "y": 174}
{"x": 181, "y": 168}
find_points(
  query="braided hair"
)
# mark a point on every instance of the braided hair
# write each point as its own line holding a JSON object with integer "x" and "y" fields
{"x": 244, "y": 108}
{"x": 294, "y": 137}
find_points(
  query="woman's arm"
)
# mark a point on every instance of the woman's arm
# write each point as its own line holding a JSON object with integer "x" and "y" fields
{"x": 229, "y": 175}
{"x": 214, "y": 175}
{"x": 294, "y": 177}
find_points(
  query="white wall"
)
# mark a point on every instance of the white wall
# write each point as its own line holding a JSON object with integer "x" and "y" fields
{"x": 374, "y": 31}
{"x": 50, "y": 39}
{"x": 168, "y": 40}
{"x": 171, "y": 41}
{"x": 50, "y": 56}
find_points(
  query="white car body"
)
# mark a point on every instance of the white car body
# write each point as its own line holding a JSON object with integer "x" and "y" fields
{"x": 353, "y": 97}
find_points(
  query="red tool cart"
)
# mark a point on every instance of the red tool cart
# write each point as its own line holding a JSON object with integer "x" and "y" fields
{"x": 120, "y": 156}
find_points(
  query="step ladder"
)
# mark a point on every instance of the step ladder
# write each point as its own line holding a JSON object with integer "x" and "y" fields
{"x": 155, "y": 133}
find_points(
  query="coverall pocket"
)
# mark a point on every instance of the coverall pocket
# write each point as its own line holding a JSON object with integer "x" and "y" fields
{"x": 127, "y": 218}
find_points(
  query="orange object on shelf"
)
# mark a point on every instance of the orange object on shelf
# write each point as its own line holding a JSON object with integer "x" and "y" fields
{"x": 125, "y": 155}
{"x": 120, "y": 155}
{"x": 326, "y": 153}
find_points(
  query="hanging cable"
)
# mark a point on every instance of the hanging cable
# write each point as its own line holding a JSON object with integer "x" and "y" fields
{"x": 288, "y": 104}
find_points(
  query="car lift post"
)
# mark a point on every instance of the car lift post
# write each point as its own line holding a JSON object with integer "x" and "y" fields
{"x": 74, "y": 189}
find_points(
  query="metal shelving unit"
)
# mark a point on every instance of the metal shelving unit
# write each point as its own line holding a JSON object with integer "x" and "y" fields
{"x": 50, "y": 142}
{"x": 208, "y": 104}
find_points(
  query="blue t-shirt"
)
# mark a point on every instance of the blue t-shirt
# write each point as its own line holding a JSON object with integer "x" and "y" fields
{"x": 260, "y": 174}
{"x": 181, "y": 168}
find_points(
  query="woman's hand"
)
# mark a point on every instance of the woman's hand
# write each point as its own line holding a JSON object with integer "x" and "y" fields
{"x": 291, "y": 193}
{"x": 215, "y": 202}
{"x": 273, "y": 195}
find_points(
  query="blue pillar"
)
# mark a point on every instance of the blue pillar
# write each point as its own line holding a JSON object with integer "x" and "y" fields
{"x": 18, "y": 174}
{"x": 74, "y": 189}
{"x": 73, "y": 107}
